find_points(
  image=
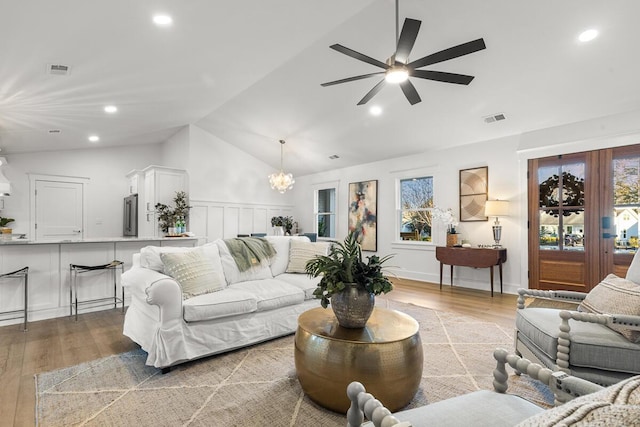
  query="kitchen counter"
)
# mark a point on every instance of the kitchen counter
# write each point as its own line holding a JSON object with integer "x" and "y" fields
{"x": 18, "y": 241}
{"x": 49, "y": 260}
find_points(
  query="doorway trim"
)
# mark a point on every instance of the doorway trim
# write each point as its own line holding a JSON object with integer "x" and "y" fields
{"x": 34, "y": 177}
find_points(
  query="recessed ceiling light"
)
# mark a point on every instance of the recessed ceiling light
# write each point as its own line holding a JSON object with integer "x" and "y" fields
{"x": 588, "y": 35}
{"x": 110, "y": 109}
{"x": 375, "y": 110}
{"x": 94, "y": 138}
{"x": 162, "y": 20}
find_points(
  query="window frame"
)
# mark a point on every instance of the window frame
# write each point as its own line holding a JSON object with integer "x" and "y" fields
{"x": 435, "y": 227}
{"x": 316, "y": 214}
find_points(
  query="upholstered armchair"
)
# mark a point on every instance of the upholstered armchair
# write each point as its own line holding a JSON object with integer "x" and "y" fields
{"x": 599, "y": 342}
{"x": 496, "y": 408}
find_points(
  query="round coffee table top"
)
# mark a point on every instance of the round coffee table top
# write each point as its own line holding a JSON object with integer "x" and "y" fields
{"x": 382, "y": 327}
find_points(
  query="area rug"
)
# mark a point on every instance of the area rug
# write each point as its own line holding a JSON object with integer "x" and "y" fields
{"x": 257, "y": 386}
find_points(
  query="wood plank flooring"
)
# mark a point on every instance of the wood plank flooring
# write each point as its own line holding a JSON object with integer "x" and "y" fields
{"x": 57, "y": 343}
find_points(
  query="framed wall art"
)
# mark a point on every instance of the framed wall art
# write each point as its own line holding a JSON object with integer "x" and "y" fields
{"x": 363, "y": 213}
{"x": 474, "y": 185}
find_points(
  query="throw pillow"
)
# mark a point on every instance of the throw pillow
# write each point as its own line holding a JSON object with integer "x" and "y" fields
{"x": 615, "y": 295}
{"x": 150, "y": 256}
{"x": 301, "y": 252}
{"x": 194, "y": 271}
{"x": 633, "y": 273}
{"x": 616, "y": 405}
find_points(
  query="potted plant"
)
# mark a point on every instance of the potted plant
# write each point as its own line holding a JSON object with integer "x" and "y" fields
{"x": 3, "y": 225}
{"x": 282, "y": 224}
{"x": 168, "y": 217}
{"x": 348, "y": 282}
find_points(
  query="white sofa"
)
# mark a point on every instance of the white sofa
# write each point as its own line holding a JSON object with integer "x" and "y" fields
{"x": 256, "y": 305}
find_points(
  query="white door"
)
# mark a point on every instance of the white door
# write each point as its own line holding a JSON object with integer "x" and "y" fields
{"x": 58, "y": 210}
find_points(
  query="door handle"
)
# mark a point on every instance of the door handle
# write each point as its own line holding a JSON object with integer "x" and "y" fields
{"x": 77, "y": 231}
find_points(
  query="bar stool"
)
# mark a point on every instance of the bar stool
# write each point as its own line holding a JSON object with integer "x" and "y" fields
{"x": 75, "y": 269}
{"x": 23, "y": 273}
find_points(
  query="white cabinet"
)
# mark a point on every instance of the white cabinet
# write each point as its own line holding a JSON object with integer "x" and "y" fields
{"x": 135, "y": 178}
{"x": 160, "y": 186}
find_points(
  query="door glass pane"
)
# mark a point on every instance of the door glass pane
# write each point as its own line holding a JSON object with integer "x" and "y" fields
{"x": 561, "y": 203}
{"x": 626, "y": 201}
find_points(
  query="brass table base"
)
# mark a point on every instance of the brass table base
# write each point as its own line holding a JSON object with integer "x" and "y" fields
{"x": 386, "y": 356}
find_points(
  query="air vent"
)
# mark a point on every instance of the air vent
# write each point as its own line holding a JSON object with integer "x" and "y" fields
{"x": 494, "y": 118}
{"x": 334, "y": 156}
{"x": 58, "y": 69}
{"x": 54, "y": 131}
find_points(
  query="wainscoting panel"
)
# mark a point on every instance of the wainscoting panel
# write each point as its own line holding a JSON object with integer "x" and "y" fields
{"x": 220, "y": 220}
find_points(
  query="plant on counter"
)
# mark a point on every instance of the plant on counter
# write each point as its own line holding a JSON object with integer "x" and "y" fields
{"x": 167, "y": 216}
{"x": 282, "y": 221}
{"x": 344, "y": 265}
{"x": 4, "y": 221}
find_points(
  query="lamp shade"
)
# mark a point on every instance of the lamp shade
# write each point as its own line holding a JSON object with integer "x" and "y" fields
{"x": 496, "y": 208}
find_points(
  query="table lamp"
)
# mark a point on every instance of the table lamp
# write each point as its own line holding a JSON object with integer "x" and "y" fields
{"x": 496, "y": 208}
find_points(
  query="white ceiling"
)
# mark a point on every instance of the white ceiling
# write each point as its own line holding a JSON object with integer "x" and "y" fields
{"x": 249, "y": 72}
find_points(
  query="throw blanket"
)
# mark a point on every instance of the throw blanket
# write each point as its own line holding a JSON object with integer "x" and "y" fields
{"x": 249, "y": 251}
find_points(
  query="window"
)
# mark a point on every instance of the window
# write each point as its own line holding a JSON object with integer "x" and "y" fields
{"x": 416, "y": 201}
{"x": 326, "y": 212}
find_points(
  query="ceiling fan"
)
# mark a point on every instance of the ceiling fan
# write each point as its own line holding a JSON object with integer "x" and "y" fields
{"x": 397, "y": 69}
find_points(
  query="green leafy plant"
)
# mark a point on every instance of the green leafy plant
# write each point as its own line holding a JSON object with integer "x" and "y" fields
{"x": 344, "y": 265}
{"x": 4, "y": 221}
{"x": 282, "y": 221}
{"x": 167, "y": 215}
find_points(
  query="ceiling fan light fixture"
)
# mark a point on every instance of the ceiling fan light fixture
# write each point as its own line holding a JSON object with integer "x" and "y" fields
{"x": 396, "y": 75}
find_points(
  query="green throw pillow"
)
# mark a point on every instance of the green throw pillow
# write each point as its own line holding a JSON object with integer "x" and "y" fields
{"x": 195, "y": 273}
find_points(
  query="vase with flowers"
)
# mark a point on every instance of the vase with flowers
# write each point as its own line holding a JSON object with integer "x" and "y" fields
{"x": 446, "y": 217}
{"x": 282, "y": 225}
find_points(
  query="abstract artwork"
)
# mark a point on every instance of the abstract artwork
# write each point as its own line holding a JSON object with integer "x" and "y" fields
{"x": 473, "y": 193}
{"x": 363, "y": 208}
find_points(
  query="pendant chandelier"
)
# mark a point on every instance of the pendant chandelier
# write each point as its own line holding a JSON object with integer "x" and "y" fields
{"x": 281, "y": 181}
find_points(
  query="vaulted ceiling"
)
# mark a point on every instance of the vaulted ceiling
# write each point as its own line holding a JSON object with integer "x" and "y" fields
{"x": 249, "y": 72}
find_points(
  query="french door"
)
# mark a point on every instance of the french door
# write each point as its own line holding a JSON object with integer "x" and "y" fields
{"x": 583, "y": 217}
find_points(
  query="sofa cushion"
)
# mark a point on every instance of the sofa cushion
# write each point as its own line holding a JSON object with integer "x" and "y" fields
{"x": 301, "y": 281}
{"x": 271, "y": 293}
{"x": 615, "y": 295}
{"x": 616, "y": 405}
{"x": 233, "y": 274}
{"x": 150, "y": 256}
{"x": 480, "y": 408}
{"x": 194, "y": 271}
{"x": 302, "y": 252}
{"x": 592, "y": 345}
{"x": 225, "y": 303}
{"x": 281, "y": 245}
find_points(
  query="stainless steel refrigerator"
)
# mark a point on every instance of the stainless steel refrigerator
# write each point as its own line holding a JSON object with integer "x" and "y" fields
{"x": 130, "y": 215}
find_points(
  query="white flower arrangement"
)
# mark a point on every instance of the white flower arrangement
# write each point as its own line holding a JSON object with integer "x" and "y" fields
{"x": 446, "y": 217}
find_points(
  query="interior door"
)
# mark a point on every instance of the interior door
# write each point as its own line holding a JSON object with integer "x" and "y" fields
{"x": 59, "y": 210}
{"x": 584, "y": 210}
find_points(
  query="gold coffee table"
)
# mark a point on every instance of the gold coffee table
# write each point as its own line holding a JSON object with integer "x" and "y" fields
{"x": 385, "y": 356}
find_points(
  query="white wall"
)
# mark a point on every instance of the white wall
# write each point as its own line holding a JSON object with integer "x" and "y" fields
{"x": 506, "y": 159}
{"x": 106, "y": 169}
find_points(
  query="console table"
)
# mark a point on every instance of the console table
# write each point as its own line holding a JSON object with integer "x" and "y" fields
{"x": 471, "y": 257}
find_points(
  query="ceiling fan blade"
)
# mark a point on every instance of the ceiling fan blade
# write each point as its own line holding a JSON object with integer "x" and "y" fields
{"x": 410, "y": 92}
{"x": 359, "y": 56}
{"x": 351, "y": 79}
{"x": 447, "y": 54}
{"x": 407, "y": 39}
{"x": 372, "y": 92}
{"x": 461, "y": 79}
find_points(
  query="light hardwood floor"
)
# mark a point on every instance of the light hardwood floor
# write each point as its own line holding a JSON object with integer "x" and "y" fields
{"x": 57, "y": 343}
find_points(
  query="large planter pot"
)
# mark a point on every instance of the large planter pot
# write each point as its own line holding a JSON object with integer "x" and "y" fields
{"x": 353, "y": 306}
